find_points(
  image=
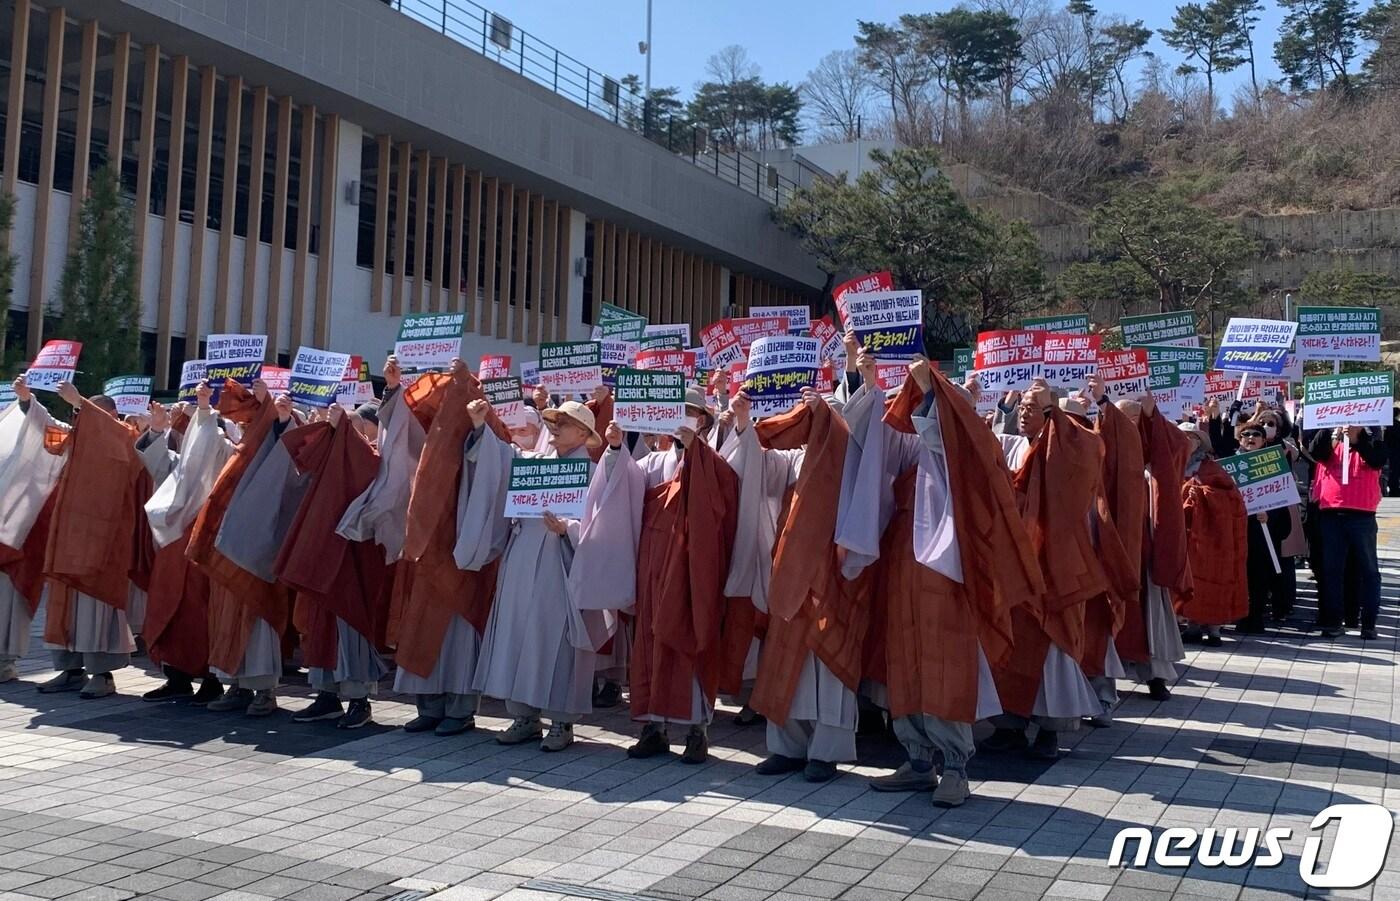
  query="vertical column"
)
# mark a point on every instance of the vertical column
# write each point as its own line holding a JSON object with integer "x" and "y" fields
{"x": 549, "y": 277}
{"x": 439, "y": 277}
{"x": 233, "y": 122}
{"x": 473, "y": 248}
{"x": 145, "y": 152}
{"x": 504, "y": 265}
{"x": 116, "y": 123}
{"x": 281, "y": 179}
{"x": 401, "y": 229}
{"x": 325, "y": 249}
{"x": 537, "y": 294}
{"x": 175, "y": 167}
{"x": 491, "y": 223}
{"x": 609, "y": 264}
{"x": 302, "y": 259}
{"x": 421, "y": 244}
{"x": 19, "y": 65}
{"x": 599, "y": 227}
{"x": 43, "y": 194}
{"x": 82, "y": 137}
{"x": 634, "y": 270}
{"x": 645, "y": 299}
{"x": 459, "y": 213}
{"x": 383, "y": 173}
{"x": 658, "y": 285}
{"x": 692, "y": 293}
{"x": 520, "y": 292}
{"x": 257, "y": 162}
{"x": 194, "y": 330}
{"x": 569, "y": 285}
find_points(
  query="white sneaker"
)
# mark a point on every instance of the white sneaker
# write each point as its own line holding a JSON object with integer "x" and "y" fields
{"x": 525, "y": 728}
{"x": 560, "y": 736}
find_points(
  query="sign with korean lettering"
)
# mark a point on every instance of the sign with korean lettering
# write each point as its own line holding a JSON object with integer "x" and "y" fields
{"x": 649, "y": 401}
{"x": 888, "y": 324}
{"x": 799, "y": 317}
{"x": 54, "y": 364}
{"x": 619, "y": 324}
{"x": 429, "y": 341}
{"x": 828, "y": 338}
{"x": 131, "y": 393}
{"x": 1070, "y": 324}
{"x": 702, "y": 360}
{"x": 571, "y": 367}
{"x": 191, "y": 374}
{"x": 682, "y": 361}
{"x": 1160, "y": 328}
{"x": 749, "y": 329}
{"x": 660, "y": 342}
{"x": 779, "y": 368}
{"x": 1339, "y": 333}
{"x": 1164, "y": 381}
{"x": 1070, "y": 360}
{"x": 721, "y": 344}
{"x": 529, "y": 373}
{"x": 1009, "y": 359}
{"x": 1264, "y": 478}
{"x": 1268, "y": 391}
{"x": 494, "y": 366}
{"x": 1221, "y": 386}
{"x": 316, "y": 375}
{"x": 355, "y": 387}
{"x": 613, "y": 355}
{"x": 507, "y": 398}
{"x": 1352, "y": 398}
{"x": 278, "y": 379}
{"x": 237, "y": 357}
{"x": 891, "y": 374}
{"x": 872, "y": 283}
{"x": 679, "y": 329}
{"x": 963, "y": 361}
{"x": 1256, "y": 346}
{"x": 1192, "y": 362}
{"x": 540, "y": 485}
{"x": 1124, "y": 373}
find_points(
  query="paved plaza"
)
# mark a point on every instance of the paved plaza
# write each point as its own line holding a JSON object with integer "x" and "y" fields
{"x": 117, "y": 799}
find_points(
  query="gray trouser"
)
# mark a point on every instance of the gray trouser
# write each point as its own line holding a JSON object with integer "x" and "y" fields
{"x": 448, "y": 706}
{"x": 1052, "y": 723}
{"x": 1106, "y": 689}
{"x": 348, "y": 689}
{"x": 518, "y": 710}
{"x": 92, "y": 661}
{"x": 812, "y": 740}
{"x": 922, "y": 734}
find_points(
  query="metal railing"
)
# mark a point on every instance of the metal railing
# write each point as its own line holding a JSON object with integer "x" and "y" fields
{"x": 495, "y": 37}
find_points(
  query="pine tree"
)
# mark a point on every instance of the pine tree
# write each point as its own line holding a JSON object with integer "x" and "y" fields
{"x": 98, "y": 300}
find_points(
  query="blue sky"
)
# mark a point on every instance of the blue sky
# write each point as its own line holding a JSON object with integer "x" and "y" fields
{"x": 784, "y": 37}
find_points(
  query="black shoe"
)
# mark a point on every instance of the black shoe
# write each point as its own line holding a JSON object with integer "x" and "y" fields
{"x": 1351, "y": 623}
{"x": 172, "y": 690}
{"x": 1157, "y": 690}
{"x": 747, "y": 716}
{"x": 610, "y": 695}
{"x": 1046, "y": 747}
{"x": 356, "y": 716}
{"x": 210, "y": 690}
{"x": 1212, "y": 641}
{"x": 1332, "y": 631}
{"x": 871, "y": 721}
{"x": 697, "y": 747}
{"x": 1250, "y": 627}
{"x": 1190, "y": 636}
{"x": 421, "y": 723}
{"x": 777, "y": 765}
{"x": 1369, "y": 634}
{"x": 325, "y": 707}
{"x": 652, "y": 742}
{"x": 140, "y": 650}
{"x": 820, "y": 771}
{"x": 1004, "y": 740}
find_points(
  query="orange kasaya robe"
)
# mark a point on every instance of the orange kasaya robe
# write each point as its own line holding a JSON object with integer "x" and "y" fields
{"x": 237, "y": 598}
{"x": 25, "y": 565}
{"x": 688, "y": 526}
{"x": 811, "y": 608}
{"x": 428, "y": 587}
{"x": 1122, "y": 500}
{"x": 332, "y": 576}
{"x": 602, "y": 415}
{"x": 933, "y": 626}
{"x": 1218, "y": 545}
{"x": 92, "y": 541}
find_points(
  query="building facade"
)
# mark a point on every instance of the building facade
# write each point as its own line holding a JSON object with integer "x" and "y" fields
{"x": 315, "y": 170}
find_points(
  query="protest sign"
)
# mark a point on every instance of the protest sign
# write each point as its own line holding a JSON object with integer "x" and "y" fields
{"x": 278, "y": 379}
{"x": 619, "y": 324}
{"x": 429, "y": 341}
{"x": 316, "y": 376}
{"x": 131, "y": 393}
{"x": 613, "y": 355}
{"x": 702, "y": 359}
{"x": 1339, "y": 333}
{"x": 1160, "y": 328}
{"x": 651, "y": 402}
{"x": 1293, "y": 368}
{"x": 1124, "y": 373}
{"x": 547, "y": 485}
{"x": 54, "y": 364}
{"x": 1192, "y": 361}
{"x": 1070, "y": 360}
{"x": 861, "y": 284}
{"x": 507, "y": 398}
{"x": 679, "y": 329}
{"x": 571, "y": 367}
{"x": 888, "y": 324}
{"x": 682, "y": 361}
{"x": 660, "y": 342}
{"x": 1353, "y": 398}
{"x": 529, "y": 373}
{"x": 1009, "y": 359}
{"x": 963, "y": 361}
{"x": 355, "y": 387}
{"x": 749, "y": 329}
{"x": 799, "y": 317}
{"x": 891, "y": 374}
{"x": 778, "y": 369}
{"x": 1255, "y": 345}
{"x": 721, "y": 344}
{"x": 1164, "y": 381}
{"x": 237, "y": 357}
{"x": 828, "y": 338}
{"x": 1264, "y": 478}
{"x": 1266, "y": 390}
{"x": 494, "y": 366}
{"x": 1220, "y": 386}
{"x": 1068, "y": 324}
{"x": 191, "y": 374}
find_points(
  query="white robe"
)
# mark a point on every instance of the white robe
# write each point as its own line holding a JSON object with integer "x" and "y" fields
{"x": 178, "y": 498}
{"x": 28, "y": 474}
{"x": 380, "y": 513}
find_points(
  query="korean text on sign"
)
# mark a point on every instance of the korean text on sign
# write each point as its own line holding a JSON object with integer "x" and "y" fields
{"x": 888, "y": 324}
{"x": 1339, "y": 333}
{"x": 547, "y": 485}
{"x": 131, "y": 393}
{"x": 1264, "y": 478}
{"x": 1125, "y": 373}
{"x": 54, "y": 364}
{"x": 1354, "y": 398}
{"x": 1070, "y": 360}
{"x": 1256, "y": 346}
{"x": 429, "y": 341}
{"x": 779, "y": 368}
{"x": 571, "y": 367}
{"x": 1009, "y": 359}
{"x": 316, "y": 375}
{"x": 649, "y": 401}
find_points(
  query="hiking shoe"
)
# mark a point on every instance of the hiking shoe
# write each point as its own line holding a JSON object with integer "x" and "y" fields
{"x": 1046, "y": 746}
{"x": 68, "y": 680}
{"x": 233, "y": 699}
{"x": 101, "y": 685}
{"x": 358, "y": 714}
{"x": 747, "y": 716}
{"x": 8, "y": 671}
{"x": 820, "y": 771}
{"x": 697, "y": 747}
{"x": 610, "y": 695}
{"x": 140, "y": 646}
{"x": 172, "y": 690}
{"x": 264, "y": 703}
{"x": 560, "y": 736}
{"x": 906, "y": 779}
{"x": 325, "y": 707}
{"x": 210, "y": 690}
{"x": 777, "y": 765}
{"x": 952, "y": 790}
{"x": 1157, "y": 690}
{"x": 525, "y": 728}
{"x": 421, "y": 723}
{"x": 652, "y": 742}
{"x": 1004, "y": 740}
{"x": 1212, "y": 641}
{"x": 454, "y": 726}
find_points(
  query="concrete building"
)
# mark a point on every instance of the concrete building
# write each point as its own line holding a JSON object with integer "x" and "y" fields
{"x": 315, "y": 169}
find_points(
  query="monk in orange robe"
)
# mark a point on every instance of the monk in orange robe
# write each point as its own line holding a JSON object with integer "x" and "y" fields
{"x": 1217, "y": 527}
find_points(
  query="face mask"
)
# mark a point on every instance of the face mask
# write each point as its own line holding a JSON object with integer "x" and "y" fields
{"x": 1269, "y": 432}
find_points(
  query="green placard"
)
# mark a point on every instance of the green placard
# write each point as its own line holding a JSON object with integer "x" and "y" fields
{"x": 1338, "y": 320}
{"x": 1256, "y": 466}
{"x": 615, "y": 323}
{"x": 1069, "y": 324}
{"x": 1163, "y": 375}
{"x": 1192, "y": 360}
{"x": 1352, "y": 398}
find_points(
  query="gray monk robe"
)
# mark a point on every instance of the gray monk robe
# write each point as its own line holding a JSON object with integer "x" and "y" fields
{"x": 28, "y": 474}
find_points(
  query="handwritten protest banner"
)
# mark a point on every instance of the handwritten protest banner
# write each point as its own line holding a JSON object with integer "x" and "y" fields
{"x": 649, "y": 401}
{"x": 571, "y": 367}
{"x": 316, "y": 374}
{"x": 1009, "y": 359}
{"x": 799, "y": 317}
{"x": 1070, "y": 360}
{"x": 619, "y": 324}
{"x": 429, "y": 341}
{"x": 778, "y": 369}
{"x": 861, "y": 284}
{"x": 682, "y": 361}
{"x": 1339, "y": 333}
{"x": 191, "y": 374}
{"x": 54, "y": 364}
{"x": 721, "y": 344}
{"x": 494, "y": 366}
{"x": 237, "y": 357}
{"x": 1264, "y": 478}
{"x": 1255, "y": 345}
{"x": 613, "y": 355}
{"x": 1352, "y": 398}
{"x": 1125, "y": 373}
{"x": 1068, "y": 324}
{"x": 507, "y": 398}
{"x": 131, "y": 393}
{"x": 828, "y": 338}
{"x": 547, "y": 485}
{"x": 1160, "y": 328}
{"x": 749, "y": 329}
{"x": 888, "y": 324}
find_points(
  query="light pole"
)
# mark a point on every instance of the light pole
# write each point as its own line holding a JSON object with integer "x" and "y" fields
{"x": 645, "y": 48}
